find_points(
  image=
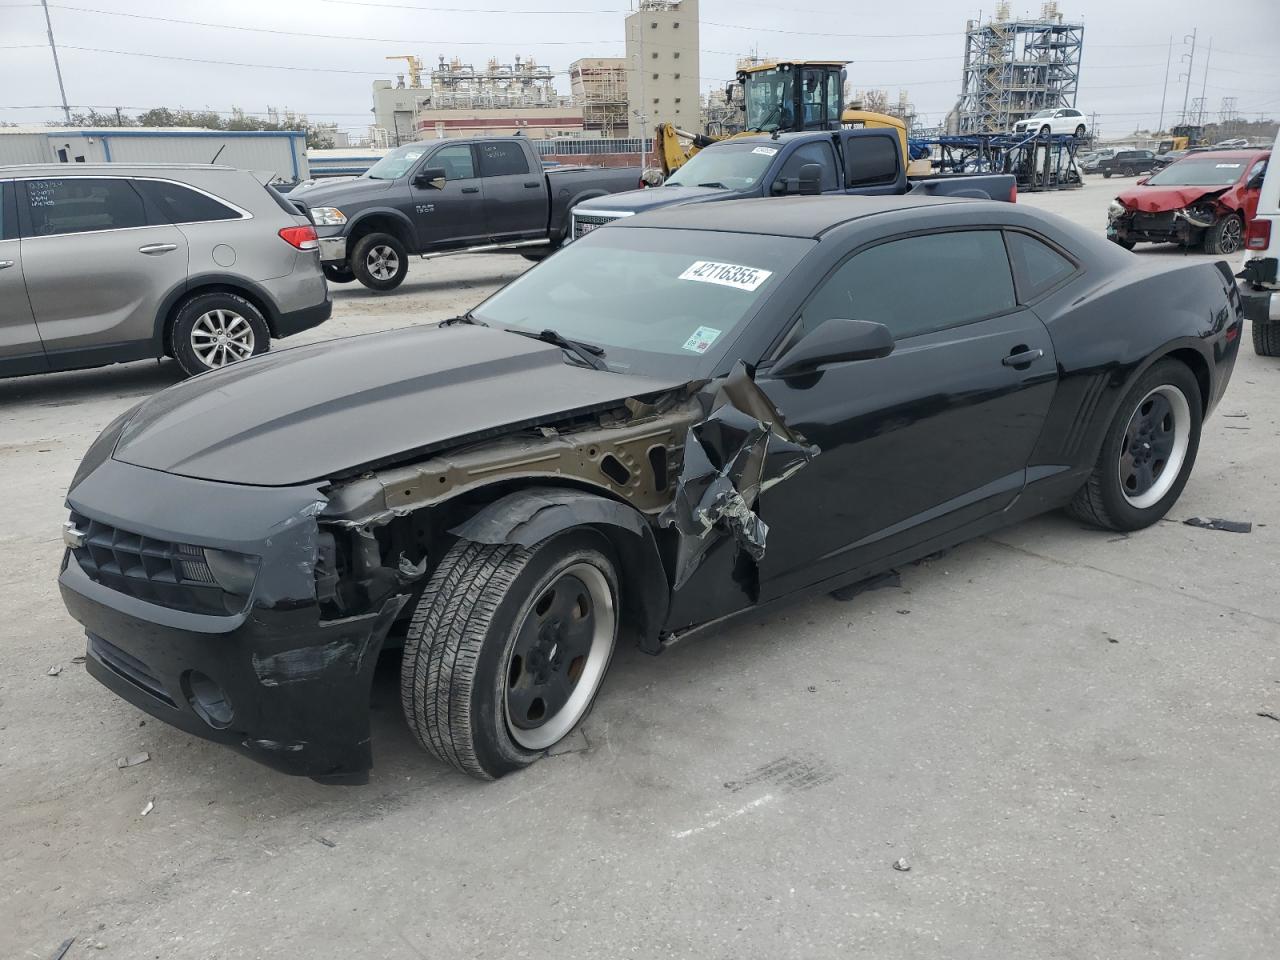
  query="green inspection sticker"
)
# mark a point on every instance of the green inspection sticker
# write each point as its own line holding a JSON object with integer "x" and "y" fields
{"x": 701, "y": 339}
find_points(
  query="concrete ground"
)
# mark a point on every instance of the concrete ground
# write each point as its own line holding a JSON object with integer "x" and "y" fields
{"x": 1057, "y": 728}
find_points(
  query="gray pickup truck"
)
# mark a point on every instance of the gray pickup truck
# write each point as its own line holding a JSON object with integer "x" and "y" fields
{"x": 438, "y": 197}
{"x": 859, "y": 161}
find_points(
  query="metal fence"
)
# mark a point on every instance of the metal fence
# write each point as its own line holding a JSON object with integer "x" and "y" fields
{"x": 573, "y": 147}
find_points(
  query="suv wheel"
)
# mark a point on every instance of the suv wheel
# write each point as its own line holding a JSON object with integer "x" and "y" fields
{"x": 1080, "y": 132}
{"x": 1106, "y": 174}
{"x": 379, "y": 261}
{"x": 212, "y": 330}
{"x": 1226, "y": 236}
{"x": 1046, "y": 129}
{"x": 507, "y": 649}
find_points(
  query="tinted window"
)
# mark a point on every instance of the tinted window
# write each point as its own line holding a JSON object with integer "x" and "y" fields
{"x": 871, "y": 160}
{"x": 1037, "y": 264}
{"x": 502, "y": 159}
{"x": 179, "y": 204}
{"x": 80, "y": 204}
{"x": 820, "y": 153}
{"x": 8, "y": 228}
{"x": 919, "y": 284}
{"x": 455, "y": 161}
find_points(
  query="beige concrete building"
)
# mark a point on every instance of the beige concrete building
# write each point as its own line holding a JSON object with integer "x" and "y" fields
{"x": 599, "y": 86}
{"x": 536, "y": 122}
{"x": 662, "y": 65}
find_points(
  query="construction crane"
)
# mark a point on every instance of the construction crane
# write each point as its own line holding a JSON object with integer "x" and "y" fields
{"x": 415, "y": 68}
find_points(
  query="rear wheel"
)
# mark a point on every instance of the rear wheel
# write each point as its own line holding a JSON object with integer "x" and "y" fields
{"x": 1106, "y": 174}
{"x": 1226, "y": 236}
{"x": 1127, "y": 171}
{"x": 508, "y": 648}
{"x": 336, "y": 273}
{"x": 1148, "y": 452}
{"x": 1266, "y": 339}
{"x": 379, "y": 261}
{"x": 212, "y": 330}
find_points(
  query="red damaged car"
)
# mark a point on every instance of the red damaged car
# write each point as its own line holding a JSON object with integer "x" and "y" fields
{"x": 1204, "y": 199}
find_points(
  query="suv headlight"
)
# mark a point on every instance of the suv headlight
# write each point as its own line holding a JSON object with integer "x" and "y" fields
{"x": 328, "y": 217}
{"x": 1116, "y": 210}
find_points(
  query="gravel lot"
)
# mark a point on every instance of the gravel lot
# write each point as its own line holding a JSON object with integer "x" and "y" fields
{"x": 1058, "y": 728}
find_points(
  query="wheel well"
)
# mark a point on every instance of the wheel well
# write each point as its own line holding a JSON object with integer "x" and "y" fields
{"x": 258, "y": 302}
{"x": 1199, "y": 366}
{"x": 381, "y": 223}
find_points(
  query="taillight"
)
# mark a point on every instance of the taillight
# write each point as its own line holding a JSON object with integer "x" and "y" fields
{"x": 304, "y": 238}
{"x": 1013, "y": 192}
{"x": 1259, "y": 235}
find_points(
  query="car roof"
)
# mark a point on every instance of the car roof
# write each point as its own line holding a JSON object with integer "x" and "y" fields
{"x": 805, "y": 217}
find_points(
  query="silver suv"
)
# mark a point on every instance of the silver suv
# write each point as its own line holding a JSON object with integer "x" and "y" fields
{"x": 104, "y": 263}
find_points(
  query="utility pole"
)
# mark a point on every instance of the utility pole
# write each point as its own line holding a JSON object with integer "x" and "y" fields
{"x": 1164, "y": 94}
{"x": 1191, "y": 60}
{"x": 1205, "y": 84}
{"x": 57, "y": 67}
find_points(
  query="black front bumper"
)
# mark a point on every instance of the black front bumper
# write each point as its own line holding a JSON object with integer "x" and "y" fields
{"x": 297, "y": 687}
{"x": 1154, "y": 228}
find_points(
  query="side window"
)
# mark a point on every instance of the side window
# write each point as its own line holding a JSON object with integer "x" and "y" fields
{"x": 8, "y": 223}
{"x": 502, "y": 159}
{"x": 1036, "y": 264}
{"x": 455, "y": 160}
{"x": 964, "y": 276}
{"x": 179, "y": 204}
{"x": 819, "y": 152}
{"x": 871, "y": 161}
{"x": 83, "y": 204}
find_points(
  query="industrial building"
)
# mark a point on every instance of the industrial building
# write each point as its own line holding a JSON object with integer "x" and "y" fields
{"x": 1012, "y": 68}
{"x": 662, "y": 64}
{"x": 282, "y": 153}
{"x": 599, "y": 86}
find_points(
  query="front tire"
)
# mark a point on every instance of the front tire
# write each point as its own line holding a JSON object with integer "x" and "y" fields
{"x": 212, "y": 330}
{"x": 379, "y": 261}
{"x": 1080, "y": 132}
{"x": 507, "y": 649}
{"x": 1266, "y": 338}
{"x": 1147, "y": 454}
{"x": 1106, "y": 174}
{"x": 1225, "y": 237}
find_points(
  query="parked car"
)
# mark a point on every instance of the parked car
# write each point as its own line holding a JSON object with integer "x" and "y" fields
{"x": 105, "y": 263}
{"x": 1090, "y": 161}
{"x": 448, "y": 196}
{"x": 1170, "y": 156}
{"x": 861, "y": 161}
{"x": 615, "y": 445}
{"x": 1205, "y": 199}
{"x": 1054, "y": 120}
{"x": 1127, "y": 163}
{"x": 1235, "y": 143}
{"x": 1259, "y": 286}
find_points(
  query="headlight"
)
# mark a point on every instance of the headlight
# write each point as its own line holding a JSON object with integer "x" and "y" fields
{"x": 234, "y": 572}
{"x": 328, "y": 216}
{"x": 1116, "y": 210}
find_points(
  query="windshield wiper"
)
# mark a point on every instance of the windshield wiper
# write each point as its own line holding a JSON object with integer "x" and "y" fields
{"x": 714, "y": 183}
{"x": 467, "y": 317}
{"x": 588, "y": 353}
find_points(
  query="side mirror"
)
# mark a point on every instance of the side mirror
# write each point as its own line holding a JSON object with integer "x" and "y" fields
{"x": 433, "y": 177}
{"x": 1255, "y": 182}
{"x": 1142, "y": 181}
{"x": 810, "y": 179}
{"x": 835, "y": 341}
{"x": 728, "y": 92}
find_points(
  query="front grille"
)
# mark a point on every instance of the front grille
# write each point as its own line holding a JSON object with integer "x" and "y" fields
{"x": 1152, "y": 221}
{"x": 584, "y": 223}
{"x": 170, "y": 574}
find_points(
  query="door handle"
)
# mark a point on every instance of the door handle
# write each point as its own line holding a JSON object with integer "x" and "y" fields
{"x": 1022, "y": 357}
{"x": 152, "y": 249}
{"x": 5, "y": 264}
{"x": 470, "y": 189}
{"x": 532, "y": 184}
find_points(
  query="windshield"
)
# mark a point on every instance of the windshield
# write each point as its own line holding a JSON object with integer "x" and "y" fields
{"x": 1041, "y": 114}
{"x": 397, "y": 163}
{"x": 768, "y": 99}
{"x": 1193, "y": 171}
{"x": 731, "y": 166}
{"x": 662, "y": 303}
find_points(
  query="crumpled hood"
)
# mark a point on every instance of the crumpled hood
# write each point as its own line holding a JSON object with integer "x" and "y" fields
{"x": 1165, "y": 199}
{"x": 330, "y": 409}
{"x": 333, "y": 193}
{"x": 638, "y": 201}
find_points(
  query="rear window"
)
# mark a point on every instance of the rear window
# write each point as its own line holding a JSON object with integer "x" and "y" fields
{"x": 179, "y": 204}
{"x": 82, "y": 205}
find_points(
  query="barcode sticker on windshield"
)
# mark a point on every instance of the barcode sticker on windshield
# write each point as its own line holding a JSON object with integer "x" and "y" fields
{"x": 726, "y": 274}
{"x": 765, "y": 151}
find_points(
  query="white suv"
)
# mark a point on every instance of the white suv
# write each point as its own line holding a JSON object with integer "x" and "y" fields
{"x": 1054, "y": 120}
{"x": 1259, "y": 287}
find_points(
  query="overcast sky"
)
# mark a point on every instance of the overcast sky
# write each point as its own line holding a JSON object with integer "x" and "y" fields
{"x": 916, "y": 45}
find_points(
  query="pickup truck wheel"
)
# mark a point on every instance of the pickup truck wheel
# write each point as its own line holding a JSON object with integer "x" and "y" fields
{"x": 507, "y": 649}
{"x": 1147, "y": 454}
{"x": 1127, "y": 171}
{"x": 1266, "y": 339}
{"x": 1106, "y": 174}
{"x": 336, "y": 274}
{"x": 379, "y": 261}
{"x": 211, "y": 330}
{"x": 1226, "y": 236}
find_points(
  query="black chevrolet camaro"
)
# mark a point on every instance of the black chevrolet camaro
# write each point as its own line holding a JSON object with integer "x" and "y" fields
{"x": 690, "y": 414}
